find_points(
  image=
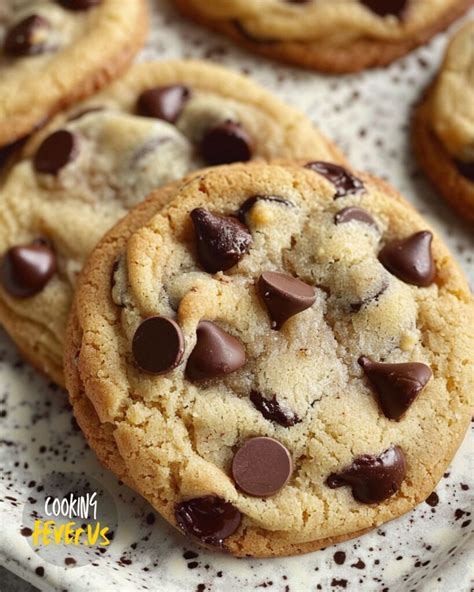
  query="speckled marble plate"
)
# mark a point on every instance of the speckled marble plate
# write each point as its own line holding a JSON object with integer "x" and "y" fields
{"x": 430, "y": 549}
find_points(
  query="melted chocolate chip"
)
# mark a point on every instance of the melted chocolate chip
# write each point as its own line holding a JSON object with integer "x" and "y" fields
{"x": 28, "y": 37}
{"x": 344, "y": 181}
{"x": 261, "y": 467}
{"x": 284, "y": 296}
{"x": 215, "y": 354}
{"x": 357, "y": 306}
{"x": 386, "y": 7}
{"x": 55, "y": 152}
{"x": 226, "y": 143}
{"x": 164, "y": 102}
{"x": 372, "y": 478}
{"x": 396, "y": 385}
{"x": 158, "y": 345}
{"x": 353, "y": 213}
{"x": 251, "y": 201}
{"x": 411, "y": 259}
{"x": 273, "y": 411}
{"x": 209, "y": 519}
{"x": 222, "y": 241}
{"x": 466, "y": 169}
{"x": 26, "y": 269}
{"x": 79, "y": 4}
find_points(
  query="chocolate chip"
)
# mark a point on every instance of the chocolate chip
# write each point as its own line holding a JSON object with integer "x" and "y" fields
{"x": 226, "y": 143}
{"x": 353, "y": 213}
{"x": 28, "y": 37}
{"x": 284, "y": 296}
{"x": 158, "y": 345}
{"x": 26, "y": 269}
{"x": 411, "y": 259}
{"x": 222, "y": 241}
{"x": 396, "y": 385}
{"x": 55, "y": 152}
{"x": 79, "y": 4}
{"x": 215, "y": 354}
{"x": 386, "y": 7}
{"x": 273, "y": 411}
{"x": 251, "y": 201}
{"x": 341, "y": 178}
{"x": 372, "y": 478}
{"x": 466, "y": 169}
{"x": 164, "y": 102}
{"x": 261, "y": 467}
{"x": 209, "y": 519}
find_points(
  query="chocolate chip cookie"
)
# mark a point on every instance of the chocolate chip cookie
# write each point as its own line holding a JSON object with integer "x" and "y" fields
{"x": 443, "y": 126}
{"x": 329, "y": 35}
{"x": 278, "y": 359}
{"x": 83, "y": 172}
{"x": 55, "y": 52}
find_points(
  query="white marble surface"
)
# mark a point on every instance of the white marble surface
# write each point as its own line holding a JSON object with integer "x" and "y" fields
{"x": 427, "y": 550}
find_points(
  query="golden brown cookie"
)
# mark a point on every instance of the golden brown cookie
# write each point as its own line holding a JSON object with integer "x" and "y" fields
{"x": 278, "y": 359}
{"x": 443, "y": 125}
{"x": 335, "y": 36}
{"x": 80, "y": 175}
{"x": 55, "y": 52}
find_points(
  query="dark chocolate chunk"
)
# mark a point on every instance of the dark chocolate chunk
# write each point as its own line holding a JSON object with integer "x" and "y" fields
{"x": 158, "y": 345}
{"x": 261, "y": 467}
{"x": 396, "y": 385}
{"x": 215, "y": 354}
{"x": 28, "y": 37}
{"x": 466, "y": 169}
{"x": 226, "y": 143}
{"x": 284, "y": 296}
{"x": 79, "y": 4}
{"x": 251, "y": 201}
{"x": 210, "y": 519}
{"x": 386, "y": 7}
{"x": 55, "y": 152}
{"x": 273, "y": 411}
{"x": 353, "y": 213}
{"x": 222, "y": 241}
{"x": 26, "y": 269}
{"x": 344, "y": 181}
{"x": 411, "y": 259}
{"x": 372, "y": 479}
{"x": 164, "y": 102}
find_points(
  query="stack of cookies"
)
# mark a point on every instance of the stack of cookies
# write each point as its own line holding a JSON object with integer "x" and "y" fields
{"x": 274, "y": 349}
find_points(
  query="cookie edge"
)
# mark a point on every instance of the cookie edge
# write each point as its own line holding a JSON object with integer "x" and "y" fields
{"x": 252, "y": 542}
{"x": 362, "y": 55}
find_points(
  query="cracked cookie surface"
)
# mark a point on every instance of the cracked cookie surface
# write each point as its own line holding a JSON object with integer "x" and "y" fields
{"x": 328, "y": 35}
{"x": 82, "y": 173}
{"x": 443, "y": 126}
{"x": 55, "y": 52}
{"x": 278, "y": 359}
